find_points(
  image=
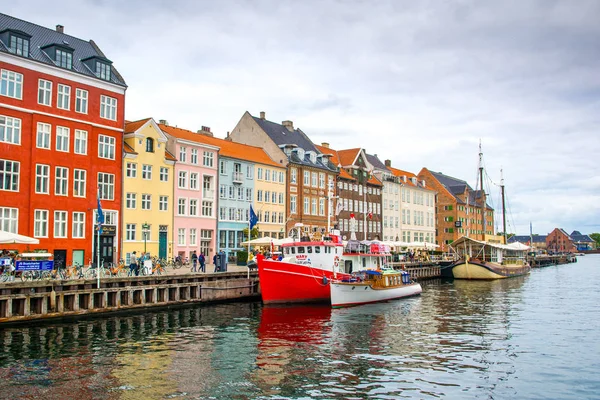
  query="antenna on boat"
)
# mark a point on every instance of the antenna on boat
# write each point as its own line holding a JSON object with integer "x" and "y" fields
{"x": 503, "y": 205}
{"x": 483, "y": 201}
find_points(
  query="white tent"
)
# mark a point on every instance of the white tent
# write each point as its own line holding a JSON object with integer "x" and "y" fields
{"x": 263, "y": 241}
{"x": 13, "y": 238}
{"x": 279, "y": 242}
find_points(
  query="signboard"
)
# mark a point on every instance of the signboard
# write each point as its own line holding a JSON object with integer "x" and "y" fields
{"x": 46, "y": 265}
{"x": 110, "y": 230}
{"x": 458, "y": 224}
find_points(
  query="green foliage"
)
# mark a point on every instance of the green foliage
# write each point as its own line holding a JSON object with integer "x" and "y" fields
{"x": 254, "y": 233}
{"x": 596, "y": 237}
{"x": 242, "y": 257}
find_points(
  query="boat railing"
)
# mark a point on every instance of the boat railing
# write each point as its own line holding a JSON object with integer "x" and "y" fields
{"x": 512, "y": 260}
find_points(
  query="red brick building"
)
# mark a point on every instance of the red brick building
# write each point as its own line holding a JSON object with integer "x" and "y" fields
{"x": 559, "y": 241}
{"x": 61, "y": 124}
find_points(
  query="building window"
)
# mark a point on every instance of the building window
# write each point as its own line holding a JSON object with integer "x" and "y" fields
{"x": 194, "y": 180}
{"x": 208, "y": 159}
{"x": 222, "y": 167}
{"x": 267, "y": 175}
{"x": 306, "y": 178}
{"x": 44, "y": 92}
{"x": 79, "y": 182}
{"x": 249, "y": 172}
{"x": 259, "y": 173}
{"x": 163, "y": 203}
{"x": 62, "y": 138}
{"x": 146, "y": 171}
{"x": 149, "y": 145}
{"x": 192, "y": 236}
{"x": 19, "y": 45}
{"x": 182, "y": 180}
{"x": 207, "y": 207}
{"x": 194, "y": 156}
{"x": 106, "y": 147}
{"x": 61, "y": 181}
{"x": 40, "y": 223}
{"x": 103, "y": 71}
{"x": 108, "y": 108}
{"x": 60, "y": 224}
{"x": 322, "y": 181}
{"x": 164, "y": 174}
{"x": 106, "y": 183}
{"x": 313, "y": 209}
{"x": 9, "y": 219}
{"x": 63, "y": 99}
{"x": 193, "y": 210}
{"x": 130, "y": 232}
{"x": 293, "y": 175}
{"x": 182, "y": 154}
{"x": 81, "y": 98}
{"x": 181, "y": 206}
{"x": 64, "y": 59}
{"x": 42, "y": 178}
{"x": 43, "y": 136}
{"x": 131, "y": 200}
{"x": 293, "y": 207}
{"x": 10, "y": 130}
{"x": 80, "y": 145}
{"x": 146, "y": 201}
{"x": 306, "y": 206}
{"x": 11, "y": 84}
{"x": 131, "y": 170}
{"x": 321, "y": 206}
{"x": 181, "y": 236}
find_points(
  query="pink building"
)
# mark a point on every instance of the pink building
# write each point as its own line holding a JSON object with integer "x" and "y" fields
{"x": 195, "y": 180}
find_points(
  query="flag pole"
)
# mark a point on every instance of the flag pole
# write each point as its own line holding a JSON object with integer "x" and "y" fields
{"x": 249, "y": 238}
{"x": 98, "y": 240}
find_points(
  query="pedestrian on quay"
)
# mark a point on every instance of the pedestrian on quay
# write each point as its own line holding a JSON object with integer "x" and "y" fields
{"x": 202, "y": 260}
{"x": 194, "y": 261}
{"x": 215, "y": 260}
{"x": 133, "y": 268}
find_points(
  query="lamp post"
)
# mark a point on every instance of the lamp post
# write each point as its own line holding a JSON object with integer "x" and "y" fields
{"x": 145, "y": 229}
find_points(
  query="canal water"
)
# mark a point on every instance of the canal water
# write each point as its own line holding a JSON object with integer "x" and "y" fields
{"x": 534, "y": 337}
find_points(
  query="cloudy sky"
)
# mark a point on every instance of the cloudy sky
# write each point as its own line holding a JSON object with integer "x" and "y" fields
{"x": 416, "y": 82}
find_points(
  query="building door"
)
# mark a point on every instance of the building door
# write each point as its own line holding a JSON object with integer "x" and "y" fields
{"x": 106, "y": 250}
{"x": 162, "y": 245}
{"x": 60, "y": 258}
{"x": 78, "y": 257}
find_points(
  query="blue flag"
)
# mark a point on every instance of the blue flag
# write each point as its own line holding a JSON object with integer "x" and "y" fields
{"x": 100, "y": 216}
{"x": 253, "y": 217}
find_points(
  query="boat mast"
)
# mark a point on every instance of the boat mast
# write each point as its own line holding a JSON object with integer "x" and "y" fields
{"x": 482, "y": 191}
{"x": 503, "y": 205}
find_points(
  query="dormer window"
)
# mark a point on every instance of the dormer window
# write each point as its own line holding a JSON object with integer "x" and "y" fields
{"x": 99, "y": 66}
{"x": 300, "y": 154}
{"x": 61, "y": 54}
{"x": 313, "y": 157}
{"x": 16, "y": 41}
{"x": 103, "y": 70}
{"x": 149, "y": 145}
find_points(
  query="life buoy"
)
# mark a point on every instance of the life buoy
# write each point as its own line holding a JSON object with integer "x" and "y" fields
{"x": 336, "y": 261}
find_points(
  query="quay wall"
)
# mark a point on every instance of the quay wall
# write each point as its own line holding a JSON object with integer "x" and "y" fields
{"x": 43, "y": 300}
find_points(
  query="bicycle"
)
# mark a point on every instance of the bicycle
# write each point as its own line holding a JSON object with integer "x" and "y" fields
{"x": 92, "y": 273}
{"x": 72, "y": 272}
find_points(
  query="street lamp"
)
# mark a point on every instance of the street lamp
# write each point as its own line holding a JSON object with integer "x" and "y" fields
{"x": 145, "y": 229}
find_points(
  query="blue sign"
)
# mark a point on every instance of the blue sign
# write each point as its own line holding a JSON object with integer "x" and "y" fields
{"x": 45, "y": 265}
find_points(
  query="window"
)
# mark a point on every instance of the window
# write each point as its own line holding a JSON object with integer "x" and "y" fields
{"x": 322, "y": 181}
{"x": 274, "y": 176}
{"x": 43, "y": 136}
{"x": 181, "y": 236}
{"x": 249, "y": 172}
{"x": 63, "y": 99}
{"x": 267, "y": 175}
{"x": 293, "y": 175}
{"x": 306, "y": 178}
{"x": 146, "y": 171}
{"x": 207, "y": 207}
{"x": 194, "y": 180}
{"x": 11, "y": 84}
{"x": 314, "y": 179}
{"x": 61, "y": 181}
{"x": 131, "y": 200}
{"x": 248, "y": 194}
{"x": 60, "y": 224}
{"x": 306, "y": 206}
{"x": 19, "y": 45}
{"x": 146, "y": 201}
{"x": 267, "y": 196}
{"x": 40, "y": 223}
{"x": 44, "y": 92}
{"x": 281, "y": 177}
{"x": 64, "y": 59}
{"x": 182, "y": 154}
{"x": 280, "y": 198}
{"x": 103, "y": 71}
{"x": 240, "y": 193}
{"x": 106, "y": 147}
{"x": 182, "y": 181}
{"x": 130, "y": 232}
{"x": 267, "y": 216}
{"x": 108, "y": 108}
{"x": 10, "y": 130}
{"x": 9, "y": 219}
{"x": 193, "y": 207}
{"x": 149, "y": 145}
{"x": 106, "y": 183}
{"x": 192, "y": 236}
{"x": 223, "y": 191}
{"x": 131, "y": 170}
{"x": 163, "y": 203}
{"x": 42, "y": 178}
{"x": 293, "y": 207}
{"x": 208, "y": 159}
{"x": 321, "y": 206}
{"x": 194, "y": 156}
{"x": 222, "y": 167}
{"x": 313, "y": 209}
{"x": 181, "y": 206}
{"x": 81, "y": 98}
{"x": 62, "y": 138}
{"x": 164, "y": 174}
{"x": 274, "y": 197}
{"x": 259, "y": 195}
{"x": 259, "y": 173}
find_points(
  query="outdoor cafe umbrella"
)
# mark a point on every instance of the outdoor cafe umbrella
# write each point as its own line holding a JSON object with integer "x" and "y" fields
{"x": 263, "y": 241}
{"x": 13, "y": 238}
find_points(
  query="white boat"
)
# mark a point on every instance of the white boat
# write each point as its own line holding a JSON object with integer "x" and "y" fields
{"x": 372, "y": 287}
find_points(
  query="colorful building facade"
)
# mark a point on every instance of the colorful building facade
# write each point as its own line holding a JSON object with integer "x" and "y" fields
{"x": 61, "y": 125}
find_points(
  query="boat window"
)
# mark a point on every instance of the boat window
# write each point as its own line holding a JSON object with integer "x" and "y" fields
{"x": 300, "y": 249}
{"x": 309, "y": 249}
{"x": 327, "y": 249}
{"x": 317, "y": 249}
{"x": 293, "y": 249}
{"x": 286, "y": 250}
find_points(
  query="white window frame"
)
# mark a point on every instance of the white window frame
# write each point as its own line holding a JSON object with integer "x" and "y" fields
{"x": 147, "y": 172}
{"x": 106, "y": 182}
{"x": 11, "y": 84}
{"x": 146, "y": 201}
{"x": 108, "y": 108}
{"x": 208, "y": 159}
{"x": 79, "y": 180}
{"x": 10, "y": 130}
{"x": 45, "y": 92}
{"x": 81, "y": 101}
{"x": 163, "y": 203}
{"x": 40, "y": 223}
{"x": 42, "y": 179}
{"x": 9, "y": 219}
{"x": 80, "y": 142}
{"x": 61, "y": 181}
{"x": 130, "y": 232}
{"x": 164, "y": 174}
{"x": 106, "y": 147}
{"x": 43, "y": 135}
{"x": 63, "y": 97}
{"x": 131, "y": 201}
{"x": 131, "y": 170}
{"x": 61, "y": 218}
{"x": 63, "y": 136}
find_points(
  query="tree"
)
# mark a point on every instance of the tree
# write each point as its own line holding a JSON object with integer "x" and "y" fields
{"x": 596, "y": 237}
{"x": 254, "y": 233}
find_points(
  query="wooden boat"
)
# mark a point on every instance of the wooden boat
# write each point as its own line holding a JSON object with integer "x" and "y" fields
{"x": 372, "y": 287}
{"x": 483, "y": 260}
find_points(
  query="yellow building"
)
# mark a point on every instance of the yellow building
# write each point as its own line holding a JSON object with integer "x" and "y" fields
{"x": 147, "y": 191}
{"x": 270, "y": 199}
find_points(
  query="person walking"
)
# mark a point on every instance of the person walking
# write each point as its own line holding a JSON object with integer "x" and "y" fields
{"x": 202, "y": 260}
{"x": 194, "y": 261}
{"x": 215, "y": 257}
{"x": 133, "y": 264}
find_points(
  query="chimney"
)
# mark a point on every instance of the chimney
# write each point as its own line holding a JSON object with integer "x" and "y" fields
{"x": 325, "y": 144}
{"x": 206, "y": 128}
{"x": 262, "y": 115}
{"x": 289, "y": 125}
{"x": 388, "y": 163}
{"x": 60, "y": 29}
{"x": 205, "y": 131}
{"x": 163, "y": 121}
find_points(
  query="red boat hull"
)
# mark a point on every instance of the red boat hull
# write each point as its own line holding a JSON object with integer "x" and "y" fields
{"x": 282, "y": 282}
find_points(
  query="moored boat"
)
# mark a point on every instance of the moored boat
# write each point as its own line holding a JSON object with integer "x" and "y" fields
{"x": 372, "y": 287}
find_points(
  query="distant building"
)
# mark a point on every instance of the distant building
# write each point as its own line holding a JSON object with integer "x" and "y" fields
{"x": 539, "y": 241}
{"x": 559, "y": 241}
{"x": 582, "y": 242}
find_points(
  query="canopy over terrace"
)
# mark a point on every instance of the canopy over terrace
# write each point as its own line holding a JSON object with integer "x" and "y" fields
{"x": 13, "y": 238}
{"x": 263, "y": 241}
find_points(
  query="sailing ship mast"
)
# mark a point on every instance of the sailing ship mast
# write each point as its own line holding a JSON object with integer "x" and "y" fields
{"x": 503, "y": 205}
{"x": 482, "y": 191}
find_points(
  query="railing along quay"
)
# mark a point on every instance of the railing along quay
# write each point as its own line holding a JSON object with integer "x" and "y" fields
{"x": 419, "y": 270}
{"x": 538, "y": 261}
{"x": 46, "y": 299}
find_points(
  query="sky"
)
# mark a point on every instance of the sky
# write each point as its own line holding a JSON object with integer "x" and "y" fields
{"x": 421, "y": 83}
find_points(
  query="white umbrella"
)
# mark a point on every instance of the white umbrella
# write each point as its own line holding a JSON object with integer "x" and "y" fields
{"x": 263, "y": 241}
{"x": 13, "y": 238}
{"x": 279, "y": 242}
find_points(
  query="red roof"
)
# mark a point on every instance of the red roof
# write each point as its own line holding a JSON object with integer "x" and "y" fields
{"x": 400, "y": 173}
{"x": 348, "y": 156}
{"x": 131, "y": 127}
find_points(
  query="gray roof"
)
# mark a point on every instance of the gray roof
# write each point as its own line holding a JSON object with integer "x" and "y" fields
{"x": 376, "y": 162}
{"x": 281, "y": 136}
{"x": 581, "y": 238}
{"x": 449, "y": 181}
{"x": 458, "y": 186}
{"x": 527, "y": 238}
{"x": 42, "y": 37}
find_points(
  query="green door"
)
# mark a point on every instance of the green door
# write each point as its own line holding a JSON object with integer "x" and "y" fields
{"x": 162, "y": 245}
{"x": 78, "y": 257}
